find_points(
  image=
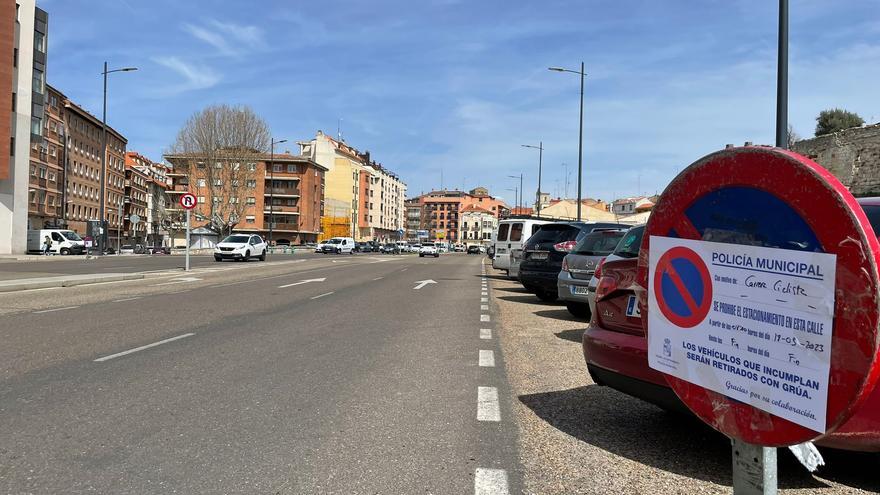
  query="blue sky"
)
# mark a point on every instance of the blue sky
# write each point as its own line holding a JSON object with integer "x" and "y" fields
{"x": 459, "y": 86}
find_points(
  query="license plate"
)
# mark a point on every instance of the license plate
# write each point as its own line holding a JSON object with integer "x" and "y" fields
{"x": 632, "y": 307}
{"x": 581, "y": 291}
{"x": 538, "y": 256}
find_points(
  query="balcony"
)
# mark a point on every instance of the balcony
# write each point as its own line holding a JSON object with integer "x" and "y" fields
{"x": 283, "y": 227}
{"x": 281, "y": 210}
{"x": 276, "y": 176}
{"x": 282, "y": 192}
{"x": 178, "y": 189}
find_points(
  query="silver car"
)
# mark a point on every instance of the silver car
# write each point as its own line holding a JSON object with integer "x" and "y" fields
{"x": 578, "y": 268}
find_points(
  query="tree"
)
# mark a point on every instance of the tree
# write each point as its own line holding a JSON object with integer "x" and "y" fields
{"x": 218, "y": 149}
{"x": 836, "y": 119}
{"x": 793, "y": 136}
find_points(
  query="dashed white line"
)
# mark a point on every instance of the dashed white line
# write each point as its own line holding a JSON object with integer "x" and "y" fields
{"x": 127, "y": 299}
{"x": 55, "y": 309}
{"x": 484, "y": 317}
{"x": 487, "y": 359}
{"x": 141, "y": 348}
{"x": 484, "y": 307}
{"x": 490, "y": 482}
{"x": 378, "y": 278}
{"x": 322, "y": 295}
{"x": 487, "y": 404}
{"x": 486, "y": 333}
{"x": 405, "y": 269}
{"x": 484, "y": 299}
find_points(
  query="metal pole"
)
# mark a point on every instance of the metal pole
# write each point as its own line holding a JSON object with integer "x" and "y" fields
{"x": 540, "y": 164}
{"x": 754, "y": 469}
{"x": 119, "y": 232}
{"x": 521, "y": 201}
{"x": 186, "y": 266}
{"x": 104, "y": 234}
{"x": 64, "y": 182}
{"x": 581, "y": 146}
{"x": 271, "y": 188}
{"x": 782, "y": 79}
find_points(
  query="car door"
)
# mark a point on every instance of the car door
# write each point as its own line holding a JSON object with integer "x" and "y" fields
{"x": 56, "y": 242}
{"x": 259, "y": 244}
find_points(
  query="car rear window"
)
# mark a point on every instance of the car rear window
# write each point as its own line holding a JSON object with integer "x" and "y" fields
{"x": 599, "y": 243}
{"x": 630, "y": 244}
{"x": 502, "y": 231}
{"x": 554, "y": 233}
{"x": 516, "y": 232}
{"x": 873, "y": 214}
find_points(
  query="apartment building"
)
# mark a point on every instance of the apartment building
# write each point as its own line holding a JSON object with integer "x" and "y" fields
{"x": 477, "y": 225}
{"x": 382, "y": 195}
{"x": 157, "y": 217}
{"x": 441, "y": 211}
{"x": 23, "y": 41}
{"x": 413, "y": 218}
{"x": 135, "y": 203}
{"x": 46, "y": 194}
{"x": 279, "y": 197}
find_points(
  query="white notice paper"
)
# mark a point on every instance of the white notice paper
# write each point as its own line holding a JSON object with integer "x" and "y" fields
{"x": 752, "y": 323}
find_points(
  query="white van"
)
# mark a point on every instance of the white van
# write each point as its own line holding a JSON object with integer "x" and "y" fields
{"x": 512, "y": 234}
{"x": 63, "y": 241}
{"x": 338, "y": 245}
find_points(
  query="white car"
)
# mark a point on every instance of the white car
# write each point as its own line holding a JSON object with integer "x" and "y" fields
{"x": 240, "y": 247}
{"x": 429, "y": 250}
{"x": 319, "y": 247}
{"x": 339, "y": 245}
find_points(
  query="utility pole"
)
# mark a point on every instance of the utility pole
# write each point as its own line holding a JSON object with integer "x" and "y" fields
{"x": 580, "y": 134}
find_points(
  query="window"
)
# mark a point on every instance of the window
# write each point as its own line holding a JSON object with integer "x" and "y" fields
{"x": 251, "y": 183}
{"x": 249, "y": 219}
{"x": 291, "y": 168}
{"x": 33, "y": 171}
{"x": 200, "y": 183}
{"x": 233, "y": 200}
{"x": 38, "y": 81}
{"x": 503, "y": 229}
{"x": 276, "y": 167}
{"x": 218, "y": 182}
{"x": 218, "y": 199}
{"x": 200, "y": 199}
{"x": 218, "y": 165}
{"x": 52, "y": 176}
{"x": 42, "y": 173}
{"x": 200, "y": 164}
{"x": 251, "y": 200}
{"x": 37, "y": 126}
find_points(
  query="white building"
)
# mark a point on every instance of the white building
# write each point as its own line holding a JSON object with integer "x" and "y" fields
{"x": 477, "y": 225}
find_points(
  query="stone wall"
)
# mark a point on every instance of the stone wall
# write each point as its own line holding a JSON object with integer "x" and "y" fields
{"x": 852, "y": 155}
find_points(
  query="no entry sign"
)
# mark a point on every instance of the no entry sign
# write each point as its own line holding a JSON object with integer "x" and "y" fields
{"x": 773, "y": 204}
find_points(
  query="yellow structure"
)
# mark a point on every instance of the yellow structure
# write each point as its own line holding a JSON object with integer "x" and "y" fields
{"x": 341, "y": 183}
{"x": 334, "y": 227}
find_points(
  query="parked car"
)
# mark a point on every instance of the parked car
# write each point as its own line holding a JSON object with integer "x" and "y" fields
{"x": 159, "y": 250}
{"x": 545, "y": 250}
{"x": 339, "y": 245}
{"x": 473, "y": 249}
{"x": 429, "y": 250}
{"x": 578, "y": 267}
{"x": 459, "y": 248}
{"x": 512, "y": 234}
{"x": 628, "y": 247}
{"x": 240, "y": 247}
{"x": 390, "y": 248}
{"x": 416, "y": 248}
{"x": 319, "y": 247}
{"x": 126, "y": 249}
{"x": 64, "y": 241}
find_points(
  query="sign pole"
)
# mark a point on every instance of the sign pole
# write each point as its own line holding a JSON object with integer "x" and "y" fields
{"x": 186, "y": 269}
{"x": 754, "y": 469}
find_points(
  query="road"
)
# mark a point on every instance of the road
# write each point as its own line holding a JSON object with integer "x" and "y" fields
{"x": 326, "y": 375}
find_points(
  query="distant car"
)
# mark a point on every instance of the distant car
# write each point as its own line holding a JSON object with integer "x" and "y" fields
{"x": 459, "y": 248}
{"x": 339, "y": 245}
{"x": 390, "y": 248}
{"x": 159, "y": 250}
{"x": 319, "y": 247}
{"x": 241, "y": 247}
{"x": 473, "y": 249}
{"x": 628, "y": 247}
{"x": 126, "y": 249}
{"x": 416, "y": 248}
{"x": 573, "y": 281}
{"x": 429, "y": 250}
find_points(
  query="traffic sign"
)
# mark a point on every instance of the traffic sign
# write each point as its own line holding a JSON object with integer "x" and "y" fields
{"x": 683, "y": 287}
{"x": 134, "y": 218}
{"x": 753, "y": 199}
{"x": 188, "y": 201}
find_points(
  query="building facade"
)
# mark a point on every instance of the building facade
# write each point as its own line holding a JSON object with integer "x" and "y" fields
{"x": 46, "y": 193}
{"x": 440, "y": 211}
{"x": 477, "y": 225}
{"x": 135, "y": 205}
{"x": 157, "y": 217}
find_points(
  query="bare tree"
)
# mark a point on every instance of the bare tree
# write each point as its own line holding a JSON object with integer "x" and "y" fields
{"x": 218, "y": 149}
{"x": 793, "y": 136}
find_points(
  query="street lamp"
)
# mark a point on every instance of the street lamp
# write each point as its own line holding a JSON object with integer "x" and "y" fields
{"x": 518, "y": 198}
{"x": 104, "y": 154}
{"x": 272, "y": 184}
{"x": 580, "y": 133}
{"x": 540, "y": 149}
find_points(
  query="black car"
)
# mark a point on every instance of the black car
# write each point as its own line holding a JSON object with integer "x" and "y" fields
{"x": 365, "y": 247}
{"x": 473, "y": 249}
{"x": 543, "y": 254}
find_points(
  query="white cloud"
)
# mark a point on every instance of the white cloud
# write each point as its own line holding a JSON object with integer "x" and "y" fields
{"x": 195, "y": 76}
{"x": 228, "y": 38}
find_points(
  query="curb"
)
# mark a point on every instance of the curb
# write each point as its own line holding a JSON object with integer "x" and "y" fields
{"x": 71, "y": 281}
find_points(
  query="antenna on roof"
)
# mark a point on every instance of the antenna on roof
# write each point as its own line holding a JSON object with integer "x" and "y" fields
{"x": 339, "y": 129}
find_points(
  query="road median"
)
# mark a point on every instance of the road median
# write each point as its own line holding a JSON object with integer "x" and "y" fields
{"x": 65, "y": 281}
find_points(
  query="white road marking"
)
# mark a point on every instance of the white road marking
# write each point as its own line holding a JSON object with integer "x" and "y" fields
{"x": 302, "y": 282}
{"x": 141, "y": 348}
{"x": 127, "y": 299}
{"x": 484, "y": 307}
{"x": 422, "y": 283}
{"x": 485, "y": 333}
{"x": 484, "y": 299}
{"x": 55, "y": 309}
{"x": 484, "y": 317}
{"x": 378, "y": 278}
{"x": 487, "y": 404}
{"x": 322, "y": 295}
{"x": 487, "y": 359}
{"x": 181, "y": 280}
{"x": 490, "y": 482}
{"x": 405, "y": 269}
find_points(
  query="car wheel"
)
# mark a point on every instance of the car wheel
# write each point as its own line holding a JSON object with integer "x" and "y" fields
{"x": 218, "y": 259}
{"x": 546, "y": 296}
{"x": 421, "y": 255}
{"x": 247, "y": 256}
{"x": 65, "y": 251}
{"x": 263, "y": 256}
{"x": 436, "y": 255}
{"x": 579, "y": 310}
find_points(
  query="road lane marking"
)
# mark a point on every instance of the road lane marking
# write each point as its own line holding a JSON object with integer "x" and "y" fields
{"x": 422, "y": 283}
{"x": 486, "y": 333}
{"x": 141, "y": 348}
{"x": 405, "y": 269}
{"x": 302, "y": 282}
{"x": 378, "y": 278}
{"x": 322, "y": 295}
{"x": 487, "y": 359}
{"x": 484, "y": 307}
{"x": 484, "y": 317}
{"x": 127, "y": 299}
{"x": 490, "y": 482}
{"x": 181, "y": 280}
{"x": 487, "y": 404}
{"x": 484, "y": 299}
{"x": 55, "y": 309}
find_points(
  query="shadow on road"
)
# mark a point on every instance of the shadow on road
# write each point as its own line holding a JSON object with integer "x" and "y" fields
{"x": 528, "y": 298}
{"x": 633, "y": 429}
{"x": 517, "y": 290}
{"x": 496, "y": 277}
{"x": 574, "y": 335}
{"x": 559, "y": 314}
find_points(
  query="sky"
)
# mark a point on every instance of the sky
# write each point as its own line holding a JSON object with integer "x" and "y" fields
{"x": 453, "y": 89}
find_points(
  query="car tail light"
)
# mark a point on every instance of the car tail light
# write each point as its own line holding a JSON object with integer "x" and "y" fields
{"x": 565, "y": 264}
{"x": 598, "y": 273}
{"x": 606, "y": 286}
{"x": 566, "y": 246}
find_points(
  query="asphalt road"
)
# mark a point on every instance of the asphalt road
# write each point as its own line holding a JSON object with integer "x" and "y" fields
{"x": 353, "y": 384}
{"x": 77, "y": 265}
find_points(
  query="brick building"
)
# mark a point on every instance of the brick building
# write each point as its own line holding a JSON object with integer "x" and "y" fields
{"x": 46, "y": 193}
{"x": 441, "y": 211}
{"x": 135, "y": 203}
{"x": 157, "y": 217}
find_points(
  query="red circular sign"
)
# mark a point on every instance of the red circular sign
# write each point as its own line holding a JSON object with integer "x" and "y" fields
{"x": 755, "y": 195}
{"x": 188, "y": 201}
{"x": 683, "y": 287}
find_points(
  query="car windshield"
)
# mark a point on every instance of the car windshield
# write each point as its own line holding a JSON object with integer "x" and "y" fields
{"x": 630, "y": 244}
{"x": 71, "y": 235}
{"x": 334, "y": 241}
{"x": 598, "y": 243}
{"x": 237, "y": 239}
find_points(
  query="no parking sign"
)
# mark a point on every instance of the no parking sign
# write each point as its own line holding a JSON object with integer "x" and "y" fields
{"x": 763, "y": 295}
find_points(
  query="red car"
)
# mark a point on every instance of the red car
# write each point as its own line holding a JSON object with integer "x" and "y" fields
{"x": 616, "y": 351}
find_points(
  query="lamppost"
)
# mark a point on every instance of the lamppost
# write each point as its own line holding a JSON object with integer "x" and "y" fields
{"x": 540, "y": 149}
{"x": 519, "y": 197}
{"x": 272, "y": 184}
{"x": 580, "y": 133}
{"x": 104, "y": 155}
